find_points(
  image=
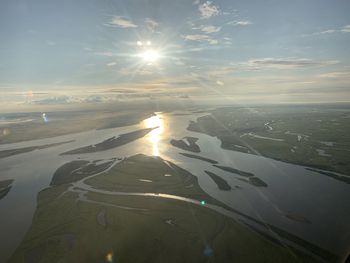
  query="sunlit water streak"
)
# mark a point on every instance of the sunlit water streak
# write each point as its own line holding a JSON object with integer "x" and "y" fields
{"x": 155, "y": 135}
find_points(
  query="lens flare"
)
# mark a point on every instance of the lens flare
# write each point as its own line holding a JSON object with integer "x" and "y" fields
{"x": 44, "y": 116}
{"x": 109, "y": 257}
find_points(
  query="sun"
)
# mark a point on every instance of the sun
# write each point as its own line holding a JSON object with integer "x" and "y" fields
{"x": 150, "y": 55}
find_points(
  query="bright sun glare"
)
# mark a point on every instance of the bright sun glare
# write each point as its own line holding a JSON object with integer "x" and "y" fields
{"x": 155, "y": 122}
{"x": 150, "y": 55}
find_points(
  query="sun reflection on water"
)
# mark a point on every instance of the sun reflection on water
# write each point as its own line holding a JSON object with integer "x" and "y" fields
{"x": 155, "y": 135}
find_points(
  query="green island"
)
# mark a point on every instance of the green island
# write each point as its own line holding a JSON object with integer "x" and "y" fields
{"x": 141, "y": 209}
{"x": 233, "y": 170}
{"x": 198, "y": 157}
{"x": 11, "y": 152}
{"x": 249, "y": 178}
{"x": 112, "y": 142}
{"x": 76, "y": 170}
{"x": 187, "y": 143}
{"x": 5, "y": 187}
{"x": 221, "y": 183}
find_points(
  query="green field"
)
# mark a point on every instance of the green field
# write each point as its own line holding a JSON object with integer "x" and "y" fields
{"x": 107, "y": 227}
{"x": 315, "y": 136}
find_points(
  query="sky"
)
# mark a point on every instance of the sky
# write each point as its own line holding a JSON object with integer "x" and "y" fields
{"x": 94, "y": 50}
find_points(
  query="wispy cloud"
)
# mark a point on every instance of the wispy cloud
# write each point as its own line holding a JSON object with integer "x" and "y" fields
{"x": 213, "y": 41}
{"x": 196, "y": 37}
{"x": 201, "y": 38}
{"x": 131, "y": 71}
{"x": 343, "y": 29}
{"x": 329, "y": 31}
{"x": 336, "y": 75}
{"x": 73, "y": 99}
{"x": 261, "y": 64}
{"x": 208, "y": 9}
{"x": 106, "y": 54}
{"x": 240, "y": 23}
{"x": 63, "y": 99}
{"x": 111, "y": 64}
{"x": 286, "y": 63}
{"x": 151, "y": 24}
{"x": 122, "y": 22}
{"x": 210, "y": 29}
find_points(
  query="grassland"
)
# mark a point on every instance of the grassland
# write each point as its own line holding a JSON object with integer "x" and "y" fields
{"x": 77, "y": 170}
{"x": 72, "y": 224}
{"x": 316, "y": 136}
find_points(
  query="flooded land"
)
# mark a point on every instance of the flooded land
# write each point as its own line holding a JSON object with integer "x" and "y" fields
{"x": 204, "y": 184}
{"x": 308, "y": 135}
{"x": 135, "y": 206}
